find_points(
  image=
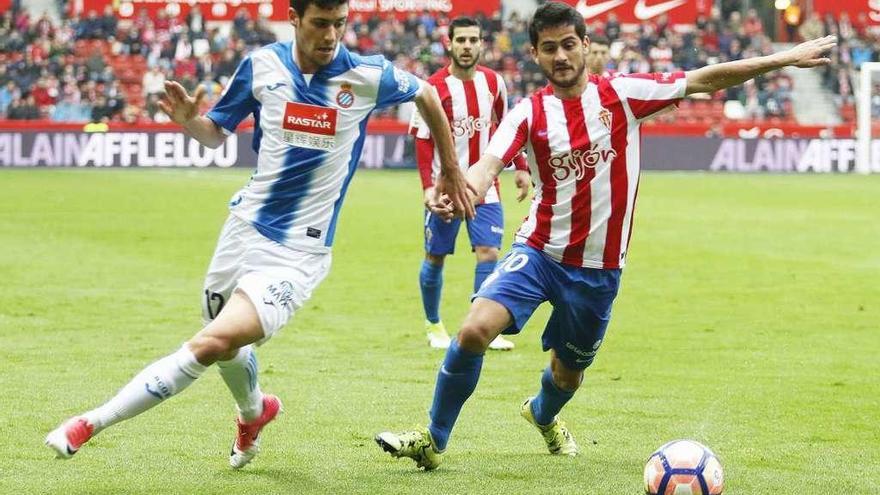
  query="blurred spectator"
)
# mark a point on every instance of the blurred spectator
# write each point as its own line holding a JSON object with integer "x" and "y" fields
{"x": 845, "y": 28}
{"x": 103, "y": 110}
{"x": 8, "y": 92}
{"x": 661, "y": 56}
{"x": 23, "y": 109}
{"x": 108, "y": 23}
{"x": 153, "y": 82}
{"x": 226, "y": 66}
{"x": 195, "y": 22}
{"x": 612, "y": 27}
{"x": 812, "y": 28}
{"x": 69, "y": 109}
{"x": 239, "y": 22}
{"x": 43, "y": 94}
{"x": 90, "y": 27}
{"x": 96, "y": 64}
{"x": 753, "y": 25}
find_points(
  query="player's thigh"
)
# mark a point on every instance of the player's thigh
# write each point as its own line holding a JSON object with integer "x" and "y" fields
{"x": 487, "y": 227}
{"x": 519, "y": 284}
{"x": 581, "y": 313}
{"x": 440, "y": 235}
{"x": 279, "y": 280}
{"x": 225, "y": 267}
{"x": 237, "y": 325}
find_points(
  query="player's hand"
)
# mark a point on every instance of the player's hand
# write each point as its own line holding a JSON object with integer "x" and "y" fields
{"x": 430, "y": 196}
{"x": 178, "y": 104}
{"x": 523, "y": 180}
{"x": 459, "y": 192}
{"x": 441, "y": 206}
{"x": 810, "y": 53}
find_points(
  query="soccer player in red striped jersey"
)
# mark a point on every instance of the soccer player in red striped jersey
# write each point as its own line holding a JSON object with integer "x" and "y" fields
{"x": 598, "y": 57}
{"x": 582, "y": 133}
{"x": 475, "y": 100}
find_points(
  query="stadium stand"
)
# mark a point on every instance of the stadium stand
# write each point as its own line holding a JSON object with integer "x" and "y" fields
{"x": 94, "y": 68}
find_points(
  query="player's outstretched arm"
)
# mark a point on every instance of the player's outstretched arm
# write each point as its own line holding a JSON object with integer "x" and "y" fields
{"x": 720, "y": 76}
{"x": 183, "y": 109}
{"x": 481, "y": 175}
{"x": 451, "y": 181}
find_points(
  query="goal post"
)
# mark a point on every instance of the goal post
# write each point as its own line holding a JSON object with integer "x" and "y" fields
{"x": 864, "y": 125}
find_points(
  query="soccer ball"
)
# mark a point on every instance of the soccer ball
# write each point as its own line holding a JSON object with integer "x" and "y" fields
{"x": 683, "y": 467}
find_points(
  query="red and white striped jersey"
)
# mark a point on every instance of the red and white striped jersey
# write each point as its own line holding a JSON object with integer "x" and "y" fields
{"x": 474, "y": 109}
{"x": 584, "y": 158}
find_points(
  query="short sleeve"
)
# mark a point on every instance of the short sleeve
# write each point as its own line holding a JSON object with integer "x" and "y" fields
{"x": 512, "y": 133}
{"x": 237, "y": 100}
{"x": 647, "y": 94}
{"x": 396, "y": 86}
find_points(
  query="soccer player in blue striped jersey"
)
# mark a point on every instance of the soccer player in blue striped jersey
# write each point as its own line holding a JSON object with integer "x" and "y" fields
{"x": 310, "y": 99}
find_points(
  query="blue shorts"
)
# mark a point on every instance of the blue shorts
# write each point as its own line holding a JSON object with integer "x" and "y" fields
{"x": 581, "y": 299}
{"x": 486, "y": 229}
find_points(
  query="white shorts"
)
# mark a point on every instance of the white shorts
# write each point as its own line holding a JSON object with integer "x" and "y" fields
{"x": 277, "y": 279}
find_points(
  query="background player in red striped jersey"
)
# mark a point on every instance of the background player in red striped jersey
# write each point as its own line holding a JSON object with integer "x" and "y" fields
{"x": 583, "y": 137}
{"x": 598, "y": 57}
{"x": 475, "y": 100}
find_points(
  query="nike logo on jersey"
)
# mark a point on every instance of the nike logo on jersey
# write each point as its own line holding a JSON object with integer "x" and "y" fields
{"x": 590, "y": 11}
{"x": 273, "y": 87}
{"x": 645, "y": 12}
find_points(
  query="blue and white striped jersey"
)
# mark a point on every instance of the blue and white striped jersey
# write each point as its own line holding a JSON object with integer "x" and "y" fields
{"x": 309, "y": 135}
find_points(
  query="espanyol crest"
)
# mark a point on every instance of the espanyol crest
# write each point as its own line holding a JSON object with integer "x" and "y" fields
{"x": 345, "y": 98}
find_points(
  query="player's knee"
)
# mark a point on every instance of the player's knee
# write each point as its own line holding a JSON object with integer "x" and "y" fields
{"x": 486, "y": 254}
{"x": 435, "y": 259}
{"x": 568, "y": 380}
{"x": 475, "y": 336}
{"x": 209, "y": 349}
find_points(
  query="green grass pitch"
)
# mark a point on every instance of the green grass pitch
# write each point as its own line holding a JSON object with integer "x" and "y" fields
{"x": 747, "y": 320}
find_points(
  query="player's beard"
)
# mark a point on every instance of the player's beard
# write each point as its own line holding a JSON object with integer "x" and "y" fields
{"x": 565, "y": 83}
{"x": 465, "y": 66}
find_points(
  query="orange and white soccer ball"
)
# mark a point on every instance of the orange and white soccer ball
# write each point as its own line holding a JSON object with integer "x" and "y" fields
{"x": 683, "y": 467}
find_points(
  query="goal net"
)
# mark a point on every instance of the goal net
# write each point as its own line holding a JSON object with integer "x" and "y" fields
{"x": 868, "y": 119}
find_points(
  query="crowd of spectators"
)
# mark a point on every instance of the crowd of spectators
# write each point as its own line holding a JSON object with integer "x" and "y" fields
{"x": 43, "y": 76}
{"x": 858, "y": 43}
{"x": 416, "y": 44}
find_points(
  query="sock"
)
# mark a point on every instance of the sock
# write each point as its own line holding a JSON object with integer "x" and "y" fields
{"x": 240, "y": 375}
{"x": 431, "y": 282}
{"x": 456, "y": 382}
{"x": 482, "y": 270}
{"x": 155, "y": 383}
{"x": 549, "y": 401}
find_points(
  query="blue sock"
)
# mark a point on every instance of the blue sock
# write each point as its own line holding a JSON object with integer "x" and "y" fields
{"x": 431, "y": 282}
{"x": 483, "y": 270}
{"x": 550, "y": 400}
{"x": 456, "y": 382}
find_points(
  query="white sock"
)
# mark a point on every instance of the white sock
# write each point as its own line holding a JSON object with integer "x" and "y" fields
{"x": 154, "y": 384}
{"x": 240, "y": 375}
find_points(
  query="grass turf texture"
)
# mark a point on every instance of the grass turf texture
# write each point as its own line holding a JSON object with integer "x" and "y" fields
{"x": 747, "y": 321}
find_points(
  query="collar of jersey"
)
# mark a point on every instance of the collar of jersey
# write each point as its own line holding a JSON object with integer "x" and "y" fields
{"x": 341, "y": 63}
